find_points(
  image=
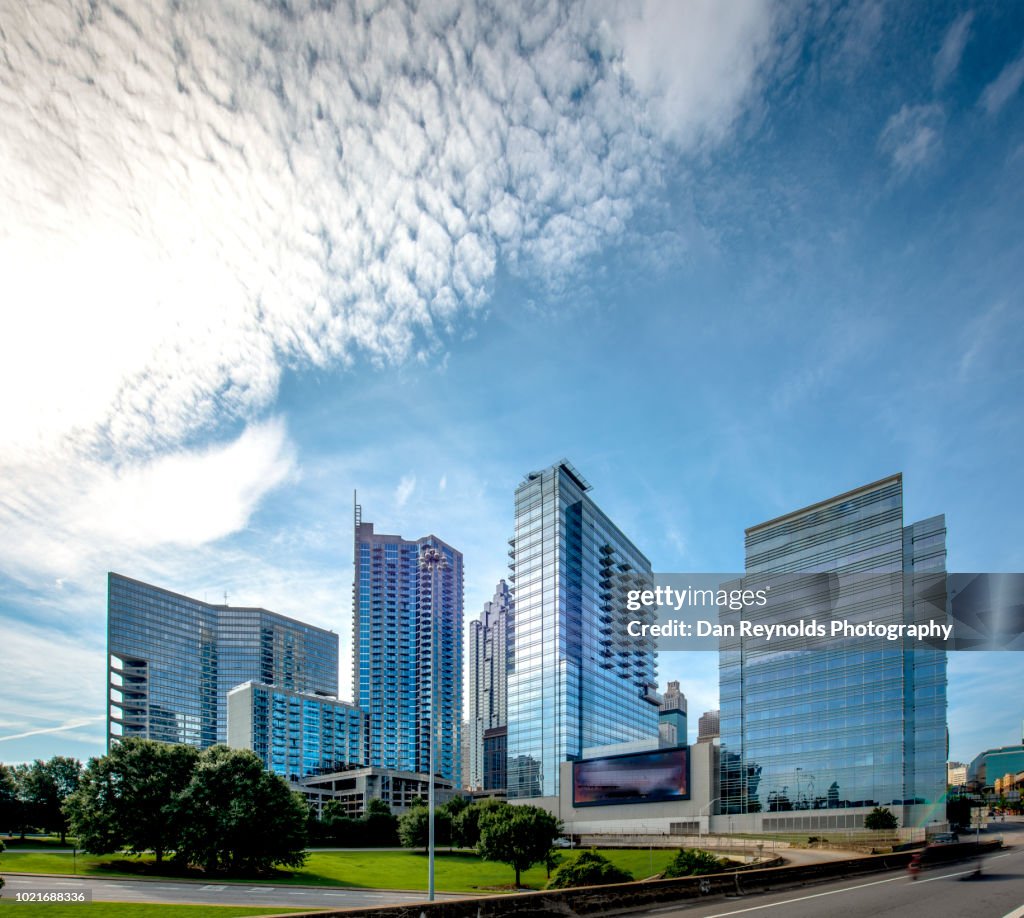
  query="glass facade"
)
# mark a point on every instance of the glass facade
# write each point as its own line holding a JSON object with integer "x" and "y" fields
{"x": 575, "y": 680}
{"x": 406, "y": 615}
{"x": 835, "y": 728}
{"x": 295, "y": 734}
{"x": 490, "y": 637}
{"x": 172, "y": 661}
{"x": 495, "y": 758}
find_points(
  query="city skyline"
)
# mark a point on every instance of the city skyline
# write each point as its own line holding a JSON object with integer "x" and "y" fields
{"x": 251, "y": 266}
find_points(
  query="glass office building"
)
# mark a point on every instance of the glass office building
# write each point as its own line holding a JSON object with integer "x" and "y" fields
{"x": 576, "y": 680}
{"x": 407, "y": 615}
{"x": 295, "y": 734}
{"x": 490, "y": 637}
{"x": 839, "y": 727}
{"x": 171, "y": 661}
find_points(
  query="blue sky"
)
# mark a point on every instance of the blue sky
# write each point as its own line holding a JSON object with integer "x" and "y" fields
{"x": 729, "y": 259}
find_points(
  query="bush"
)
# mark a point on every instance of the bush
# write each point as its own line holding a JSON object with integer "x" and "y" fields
{"x": 589, "y": 869}
{"x": 692, "y": 862}
{"x": 880, "y": 818}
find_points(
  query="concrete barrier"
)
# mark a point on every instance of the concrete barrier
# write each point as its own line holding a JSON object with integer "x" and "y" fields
{"x": 588, "y": 900}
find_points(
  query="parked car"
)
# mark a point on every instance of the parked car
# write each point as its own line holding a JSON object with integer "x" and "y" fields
{"x": 945, "y": 838}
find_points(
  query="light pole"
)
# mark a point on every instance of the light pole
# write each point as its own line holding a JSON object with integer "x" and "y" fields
{"x": 430, "y": 560}
{"x": 707, "y": 806}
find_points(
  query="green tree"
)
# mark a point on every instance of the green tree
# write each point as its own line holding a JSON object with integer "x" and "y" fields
{"x": 466, "y": 825}
{"x": 237, "y": 818}
{"x": 692, "y": 862}
{"x": 46, "y": 785}
{"x": 127, "y": 798}
{"x": 10, "y": 804}
{"x": 379, "y": 824}
{"x": 588, "y": 869}
{"x": 519, "y": 836}
{"x": 880, "y": 818}
{"x": 958, "y": 812}
{"x": 339, "y": 827}
{"x": 414, "y": 827}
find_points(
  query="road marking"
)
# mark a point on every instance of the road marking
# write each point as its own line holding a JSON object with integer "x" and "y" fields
{"x": 1016, "y": 913}
{"x": 833, "y": 892}
{"x": 212, "y": 888}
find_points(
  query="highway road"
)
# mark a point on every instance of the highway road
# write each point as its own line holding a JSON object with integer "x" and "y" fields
{"x": 950, "y": 891}
{"x": 170, "y": 891}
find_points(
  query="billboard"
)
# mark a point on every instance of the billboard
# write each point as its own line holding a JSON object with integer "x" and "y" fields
{"x": 639, "y": 777}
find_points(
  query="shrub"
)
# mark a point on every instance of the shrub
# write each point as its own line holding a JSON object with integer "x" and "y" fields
{"x": 880, "y": 818}
{"x": 589, "y": 869}
{"x": 692, "y": 862}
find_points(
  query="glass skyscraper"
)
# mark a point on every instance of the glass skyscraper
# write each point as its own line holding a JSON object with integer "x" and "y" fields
{"x": 838, "y": 727}
{"x": 295, "y": 734}
{"x": 171, "y": 661}
{"x": 407, "y": 616}
{"x": 490, "y": 637}
{"x": 576, "y": 679}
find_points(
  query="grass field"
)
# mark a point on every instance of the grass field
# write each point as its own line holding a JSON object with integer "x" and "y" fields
{"x": 374, "y": 869}
{"x": 137, "y": 910}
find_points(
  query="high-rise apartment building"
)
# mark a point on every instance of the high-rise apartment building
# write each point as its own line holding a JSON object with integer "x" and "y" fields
{"x": 838, "y": 727}
{"x": 295, "y": 734}
{"x": 708, "y": 727}
{"x": 490, "y": 638}
{"x": 672, "y": 717}
{"x": 407, "y": 650}
{"x": 577, "y": 680}
{"x": 171, "y": 661}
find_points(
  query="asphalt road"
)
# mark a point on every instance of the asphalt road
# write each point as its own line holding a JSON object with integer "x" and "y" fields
{"x": 950, "y": 891}
{"x": 214, "y": 894}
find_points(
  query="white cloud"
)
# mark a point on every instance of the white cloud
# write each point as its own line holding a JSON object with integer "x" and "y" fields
{"x": 948, "y": 58}
{"x": 39, "y": 698}
{"x": 912, "y": 136}
{"x": 196, "y": 198}
{"x": 60, "y": 728}
{"x": 698, "y": 62}
{"x": 1004, "y": 87}
{"x": 404, "y": 490}
{"x": 91, "y": 510}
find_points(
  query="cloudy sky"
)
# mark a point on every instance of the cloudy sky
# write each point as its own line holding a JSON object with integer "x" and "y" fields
{"x": 729, "y": 259}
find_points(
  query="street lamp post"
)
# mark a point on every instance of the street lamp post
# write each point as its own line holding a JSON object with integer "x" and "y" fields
{"x": 707, "y": 806}
{"x": 430, "y": 560}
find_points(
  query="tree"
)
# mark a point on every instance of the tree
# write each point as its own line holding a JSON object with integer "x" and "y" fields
{"x": 466, "y": 825}
{"x": 46, "y": 785}
{"x": 379, "y": 824}
{"x": 127, "y": 799}
{"x": 880, "y": 818}
{"x": 414, "y": 827}
{"x": 958, "y": 812}
{"x": 235, "y": 817}
{"x": 10, "y": 804}
{"x": 519, "y": 836}
{"x": 692, "y": 862}
{"x": 588, "y": 869}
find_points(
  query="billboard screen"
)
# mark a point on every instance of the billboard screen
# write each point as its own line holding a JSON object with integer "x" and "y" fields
{"x": 641, "y": 777}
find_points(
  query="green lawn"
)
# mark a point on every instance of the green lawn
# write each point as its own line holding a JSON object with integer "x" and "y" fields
{"x": 36, "y": 841}
{"x": 374, "y": 869}
{"x": 136, "y": 910}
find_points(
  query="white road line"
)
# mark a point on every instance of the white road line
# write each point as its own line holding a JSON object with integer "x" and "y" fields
{"x": 1016, "y": 913}
{"x": 833, "y": 892}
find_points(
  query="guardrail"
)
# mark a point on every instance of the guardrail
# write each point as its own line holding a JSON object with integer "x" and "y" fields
{"x": 589, "y": 900}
